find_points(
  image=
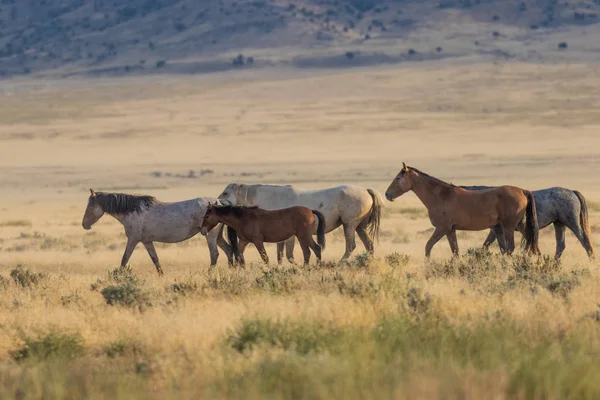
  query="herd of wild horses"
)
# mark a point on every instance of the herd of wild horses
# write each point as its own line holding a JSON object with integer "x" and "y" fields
{"x": 281, "y": 213}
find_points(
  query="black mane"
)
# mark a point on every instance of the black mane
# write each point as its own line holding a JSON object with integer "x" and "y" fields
{"x": 432, "y": 177}
{"x": 120, "y": 203}
{"x": 238, "y": 211}
{"x": 476, "y": 187}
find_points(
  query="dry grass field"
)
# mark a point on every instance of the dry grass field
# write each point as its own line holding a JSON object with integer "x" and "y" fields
{"x": 393, "y": 326}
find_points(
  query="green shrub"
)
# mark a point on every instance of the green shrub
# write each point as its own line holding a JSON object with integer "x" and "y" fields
{"x": 120, "y": 275}
{"x": 302, "y": 338}
{"x": 362, "y": 260}
{"x": 126, "y": 295}
{"x": 52, "y": 345}
{"x": 25, "y": 278}
{"x": 125, "y": 347}
{"x": 397, "y": 260}
{"x": 184, "y": 288}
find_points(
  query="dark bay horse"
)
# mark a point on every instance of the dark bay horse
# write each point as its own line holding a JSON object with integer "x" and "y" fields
{"x": 453, "y": 208}
{"x": 564, "y": 208}
{"x": 257, "y": 226}
{"x": 148, "y": 220}
{"x": 356, "y": 209}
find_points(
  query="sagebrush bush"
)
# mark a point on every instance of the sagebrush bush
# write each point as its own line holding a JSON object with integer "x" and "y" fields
{"x": 362, "y": 260}
{"x": 184, "y": 288}
{"x": 24, "y": 277}
{"x": 4, "y": 282}
{"x": 51, "y": 345}
{"x": 119, "y": 275}
{"x": 397, "y": 260}
{"x": 302, "y": 338}
{"x": 123, "y": 348}
{"x": 278, "y": 280}
{"x": 125, "y": 294}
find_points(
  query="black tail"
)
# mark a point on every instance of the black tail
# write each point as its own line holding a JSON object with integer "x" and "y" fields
{"x": 233, "y": 241}
{"x": 585, "y": 223}
{"x": 320, "y": 228}
{"x": 375, "y": 216}
{"x": 531, "y": 225}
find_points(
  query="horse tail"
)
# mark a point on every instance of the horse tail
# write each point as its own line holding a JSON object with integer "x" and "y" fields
{"x": 374, "y": 220}
{"x": 233, "y": 241}
{"x": 320, "y": 228}
{"x": 531, "y": 225}
{"x": 584, "y": 221}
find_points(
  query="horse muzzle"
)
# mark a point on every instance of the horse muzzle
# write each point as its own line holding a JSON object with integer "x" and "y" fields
{"x": 203, "y": 231}
{"x": 389, "y": 197}
{"x": 87, "y": 228}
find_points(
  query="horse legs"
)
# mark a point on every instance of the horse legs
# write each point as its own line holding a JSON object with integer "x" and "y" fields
{"x": 280, "y": 246}
{"x": 260, "y": 246}
{"x": 559, "y": 232}
{"x": 307, "y": 243}
{"x": 241, "y": 247}
{"x": 305, "y": 250}
{"x": 509, "y": 235}
{"x": 364, "y": 237}
{"x": 211, "y": 240}
{"x": 453, "y": 242}
{"x": 289, "y": 249}
{"x": 316, "y": 249}
{"x": 222, "y": 243}
{"x": 578, "y": 231}
{"x": 152, "y": 252}
{"x": 491, "y": 237}
{"x": 350, "y": 241}
{"x": 498, "y": 231}
{"x": 438, "y": 233}
{"x": 128, "y": 250}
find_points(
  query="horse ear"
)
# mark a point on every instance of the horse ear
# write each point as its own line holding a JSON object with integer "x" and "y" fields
{"x": 404, "y": 167}
{"x": 92, "y": 193}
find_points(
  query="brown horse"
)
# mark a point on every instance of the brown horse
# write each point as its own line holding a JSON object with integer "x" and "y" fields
{"x": 257, "y": 226}
{"x": 452, "y": 208}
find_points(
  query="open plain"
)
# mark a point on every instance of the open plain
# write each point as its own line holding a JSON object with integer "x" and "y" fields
{"x": 392, "y": 326}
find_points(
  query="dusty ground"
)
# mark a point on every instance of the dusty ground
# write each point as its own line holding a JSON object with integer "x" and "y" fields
{"x": 529, "y": 125}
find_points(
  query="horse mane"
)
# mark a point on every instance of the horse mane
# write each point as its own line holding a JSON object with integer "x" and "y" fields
{"x": 121, "y": 203}
{"x": 237, "y": 211}
{"x": 432, "y": 177}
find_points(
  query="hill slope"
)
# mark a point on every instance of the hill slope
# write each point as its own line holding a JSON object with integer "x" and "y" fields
{"x": 143, "y": 35}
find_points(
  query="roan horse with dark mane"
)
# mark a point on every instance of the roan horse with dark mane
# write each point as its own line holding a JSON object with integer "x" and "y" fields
{"x": 148, "y": 220}
{"x": 563, "y": 208}
{"x": 452, "y": 208}
{"x": 257, "y": 226}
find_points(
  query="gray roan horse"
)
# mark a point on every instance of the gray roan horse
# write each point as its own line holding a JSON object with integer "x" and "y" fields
{"x": 148, "y": 220}
{"x": 564, "y": 208}
{"x": 355, "y": 208}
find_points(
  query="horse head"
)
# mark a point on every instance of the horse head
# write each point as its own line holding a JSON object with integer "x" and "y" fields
{"x": 401, "y": 184}
{"x": 93, "y": 211}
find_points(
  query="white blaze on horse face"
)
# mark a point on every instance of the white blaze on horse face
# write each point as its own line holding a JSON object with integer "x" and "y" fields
{"x": 93, "y": 213}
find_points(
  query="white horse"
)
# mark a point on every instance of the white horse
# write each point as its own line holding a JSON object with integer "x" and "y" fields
{"x": 355, "y": 208}
{"x": 148, "y": 220}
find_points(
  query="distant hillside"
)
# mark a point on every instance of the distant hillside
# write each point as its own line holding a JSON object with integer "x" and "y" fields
{"x": 135, "y": 36}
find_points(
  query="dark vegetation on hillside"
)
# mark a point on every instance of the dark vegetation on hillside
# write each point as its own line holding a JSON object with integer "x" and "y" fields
{"x": 38, "y": 35}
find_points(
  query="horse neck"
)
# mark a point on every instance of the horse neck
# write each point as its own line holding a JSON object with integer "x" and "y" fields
{"x": 230, "y": 220}
{"x": 119, "y": 217}
{"x": 428, "y": 190}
